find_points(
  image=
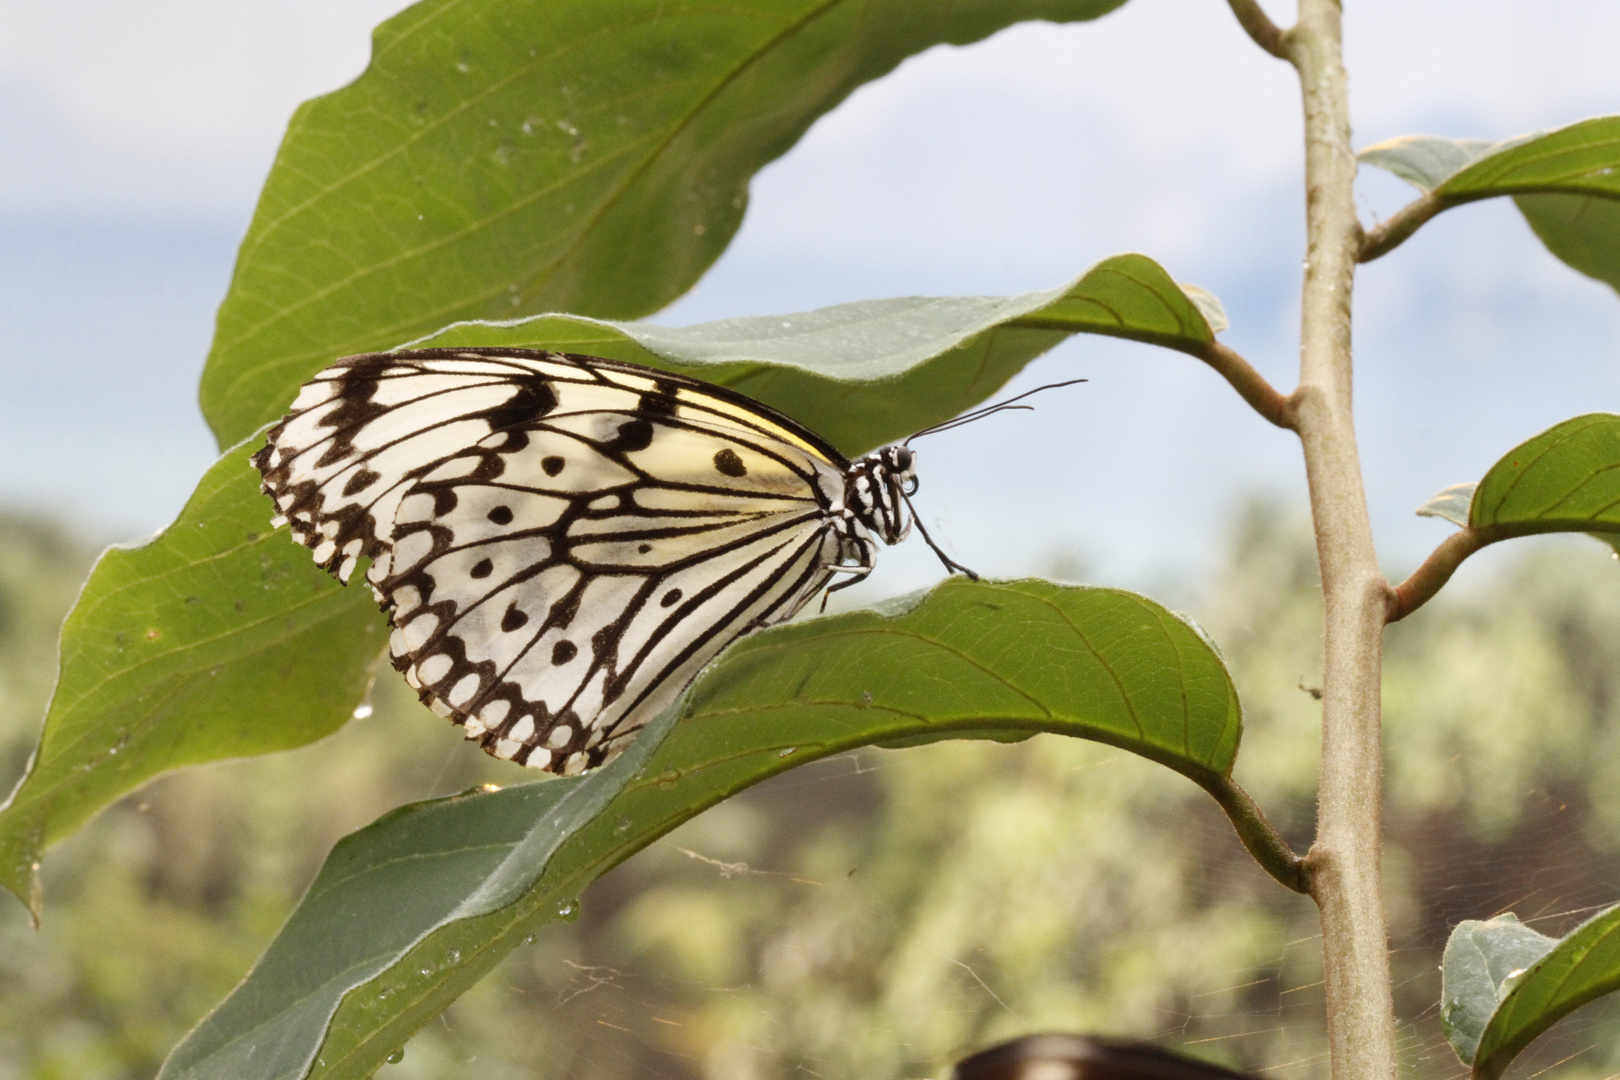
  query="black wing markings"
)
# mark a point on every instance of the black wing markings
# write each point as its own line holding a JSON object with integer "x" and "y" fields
{"x": 795, "y": 567}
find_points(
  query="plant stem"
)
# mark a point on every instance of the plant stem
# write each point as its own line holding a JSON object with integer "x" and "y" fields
{"x": 1343, "y": 862}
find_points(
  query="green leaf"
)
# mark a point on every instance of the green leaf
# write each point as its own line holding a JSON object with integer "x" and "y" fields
{"x": 925, "y": 360}
{"x": 1565, "y": 182}
{"x": 412, "y": 910}
{"x": 871, "y": 372}
{"x": 1482, "y": 962}
{"x": 426, "y": 865}
{"x": 217, "y": 639}
{"x": 1580, "y": 967}
{"x": 1424, "y": 161}
{"x": 1583, "y": 158}
{"x": 1582, "y": 230}
{"x": 502, "y": 159}
{"x": 1567, "y": 479}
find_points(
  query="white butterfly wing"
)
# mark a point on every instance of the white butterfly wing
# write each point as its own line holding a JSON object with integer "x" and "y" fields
{"x": 562, "y": 544}
{"x": 361, "y": 431}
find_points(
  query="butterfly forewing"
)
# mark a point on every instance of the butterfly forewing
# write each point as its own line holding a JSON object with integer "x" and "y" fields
{"x": 561, "y": 542}
{"x": 361, "y": 431}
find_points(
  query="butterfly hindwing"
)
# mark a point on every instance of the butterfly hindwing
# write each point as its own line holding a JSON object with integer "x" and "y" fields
{"x": 561, "y": 542}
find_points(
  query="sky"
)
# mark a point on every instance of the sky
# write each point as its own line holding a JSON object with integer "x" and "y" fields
{"x": 134, "y": 138}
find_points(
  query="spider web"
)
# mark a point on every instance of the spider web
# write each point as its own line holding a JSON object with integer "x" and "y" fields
{"x": 883, "y": 913}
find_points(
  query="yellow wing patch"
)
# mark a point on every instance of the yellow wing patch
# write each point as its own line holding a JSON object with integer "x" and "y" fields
{"x": 695, "y": 402}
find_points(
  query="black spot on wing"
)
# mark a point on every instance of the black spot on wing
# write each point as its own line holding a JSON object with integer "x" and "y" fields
{"x": 633, "y": 435}
{"x": 362, "y": 479}
{"x": 552, "y": 464}
{"x": 501, "y": 515}
{"x": 514, "y": 619}
{"x": 728, "y": 463}
{"x": 511, "y": 442}
{"x": 660, "y": 402}
{"x": 563, "y": 651}
{"x": 534, "y": 399}
{"x": 563, "y": 611}
{"x": 482, "y": 569}
{"x": 357, "y": 388}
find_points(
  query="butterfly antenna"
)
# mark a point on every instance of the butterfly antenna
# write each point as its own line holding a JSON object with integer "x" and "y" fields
{"x": 951, "y": 565}
{"x": 988, "y": 410}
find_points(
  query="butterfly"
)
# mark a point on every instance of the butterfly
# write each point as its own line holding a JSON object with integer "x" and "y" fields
{"x": 562, "y": 542}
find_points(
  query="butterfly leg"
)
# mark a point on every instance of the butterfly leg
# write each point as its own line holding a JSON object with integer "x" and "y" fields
{"x": 951, "y": 565}
{"x": 856, "y": 544}
{"x": 857, "y": 574}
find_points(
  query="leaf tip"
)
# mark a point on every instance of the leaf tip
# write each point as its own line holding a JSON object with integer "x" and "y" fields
{"x": 22, "y": 881}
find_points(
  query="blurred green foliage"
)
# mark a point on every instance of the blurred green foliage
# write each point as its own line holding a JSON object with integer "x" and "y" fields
{"x": 878, "y": 914}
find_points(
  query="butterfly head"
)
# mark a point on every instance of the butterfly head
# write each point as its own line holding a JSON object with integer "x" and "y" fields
{"x": 876, "y": 489}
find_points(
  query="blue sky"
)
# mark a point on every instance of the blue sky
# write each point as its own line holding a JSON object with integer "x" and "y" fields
{"x": 135, "y": 138}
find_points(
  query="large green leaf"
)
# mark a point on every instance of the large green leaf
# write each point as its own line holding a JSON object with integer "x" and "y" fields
{"x": 217, "y": 639}
{"x": 412, "y": 910}
{"x": 1578, "y": 968}
{"x": 871, "y": 372}
{"x": 922, "y": 359}
{"x": 500, "y": 159}
{"x": 1564, "y": 181}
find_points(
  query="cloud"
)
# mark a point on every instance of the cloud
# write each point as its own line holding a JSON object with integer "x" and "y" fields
{"x": 169, "y": 105}
{"x": 1009, "y": 165}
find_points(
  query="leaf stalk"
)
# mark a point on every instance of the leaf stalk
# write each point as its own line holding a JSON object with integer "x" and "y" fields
{"x": 1390, "y": 233}
{"x": 1428, "y": 579}
{"x": 1259, "y": 26}
{"x": 1262, "y": 841}
{"x": 1249, "y": 383}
